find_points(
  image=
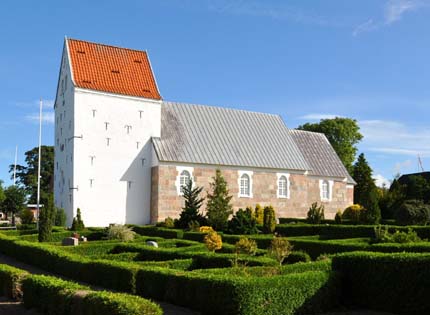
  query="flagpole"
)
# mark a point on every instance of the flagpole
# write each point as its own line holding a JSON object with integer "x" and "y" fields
{"x": 39, "y": 163}
{"x": 14, "y": 167}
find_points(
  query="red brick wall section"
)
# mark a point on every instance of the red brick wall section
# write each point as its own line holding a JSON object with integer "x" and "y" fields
{"x": 304, "y": 190}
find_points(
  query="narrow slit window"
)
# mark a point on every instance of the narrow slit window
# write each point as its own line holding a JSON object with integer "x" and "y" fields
{"x": 140, "y": 114}
{"x": 94, "y": 112}
{"x": 108, "y": 141}
{"x": 143, "y": 161}
{"x": 137, "y": 144}
{"x": 106, "y": 125}
{"x": 128, "y": 128}
{"x": 91, "y": 182}
{"x": 92, "y": 157}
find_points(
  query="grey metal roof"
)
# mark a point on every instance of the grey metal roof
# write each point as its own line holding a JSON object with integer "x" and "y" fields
{"x": 223, "y": 136}
{"x": 320, "y": 155}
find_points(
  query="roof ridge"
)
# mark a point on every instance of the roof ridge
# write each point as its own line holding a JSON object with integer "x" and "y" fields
{"x": 223, "y": 108}
{"x": 306, "y": 131}
{"x": 107, "y": 45}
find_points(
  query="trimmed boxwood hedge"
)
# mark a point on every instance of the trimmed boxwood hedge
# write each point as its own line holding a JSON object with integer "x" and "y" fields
{"x": 398, "y": 283}
{"x": 152, "y": 230}
{"x": 297, "y": 293}
{"x": 51, "y": 296}
{"x": 10, "y": 281}
{"x": 343, "y": 231}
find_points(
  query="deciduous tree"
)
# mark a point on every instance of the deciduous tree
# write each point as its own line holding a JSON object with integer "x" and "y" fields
{"x": 342, "y": 133}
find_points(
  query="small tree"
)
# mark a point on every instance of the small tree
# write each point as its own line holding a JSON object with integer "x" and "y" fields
{"x": 243, "y": 222}
{"x": 26, "y": 216}
{"x": 60, "y": 217}
{"x": 46, "y": 218}
{"x": 269, "y": 223}
{"x": 280, "y": 248}
{"x": 218, "y": 208}
{"x": 246, "y": 246}
{"x": 259, "y": 214}
{"x": 338, "y": 217}
{"x": 315, "y": 214}
{"x": 77, "y": 223}
{"x": 365, "y": 192}
{"x": 192, "y": 205}
{"x": 213, "y": 241}
{"x": 14, "y": 199}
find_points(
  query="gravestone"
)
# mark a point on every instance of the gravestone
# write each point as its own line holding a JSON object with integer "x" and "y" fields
{"x": 70, "y": 241}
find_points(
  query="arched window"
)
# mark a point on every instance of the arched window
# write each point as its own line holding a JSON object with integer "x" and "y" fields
{"x": 184, "y": 178}
{"x": 283, "y": 187}
{"x": 325, "y": 190}
{"x": 244, "y": 185}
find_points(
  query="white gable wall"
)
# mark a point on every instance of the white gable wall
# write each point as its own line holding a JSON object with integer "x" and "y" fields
{"x": 116, "y": 186}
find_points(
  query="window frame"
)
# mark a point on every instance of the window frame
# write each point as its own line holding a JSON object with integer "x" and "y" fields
{"x": 179, "y": 175}
{"x": 249, "y": 175}
{"x": 329, "y": 184}
{"x": 281, "y": 176}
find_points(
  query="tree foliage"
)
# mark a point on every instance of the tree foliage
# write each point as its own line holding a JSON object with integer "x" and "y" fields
{"x": 213, "y": 241}
{"x": 269, "y": 220}
{"x": 46, "y": 219}
{"x": 60, "y": 217}
{"x": 14, "y": 199}
{"x": 243, "y": 222}
{"x": 77, "y": 223}
{"x": 218, "y": 208}
{"x": 365, "y": 192}
{"x": 26, "y": 175}
{"x": 342, "y": 133}
{"x": 315, "y": 214}
{"x": 193, "y": 202}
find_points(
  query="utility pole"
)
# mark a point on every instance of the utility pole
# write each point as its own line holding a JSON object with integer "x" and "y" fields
{"x": 39, "y": 163}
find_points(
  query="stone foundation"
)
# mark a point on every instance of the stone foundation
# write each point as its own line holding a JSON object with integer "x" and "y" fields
{"x": 304, "y": 190}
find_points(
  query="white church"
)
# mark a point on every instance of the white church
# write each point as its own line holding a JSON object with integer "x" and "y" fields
{"x": 122, "y": 154}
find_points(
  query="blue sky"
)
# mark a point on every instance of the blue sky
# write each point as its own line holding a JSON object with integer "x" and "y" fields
{"x": 304, "y": 60}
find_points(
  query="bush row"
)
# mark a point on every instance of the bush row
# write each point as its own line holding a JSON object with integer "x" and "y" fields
{"x": 398, "y": 283}
{"x": 316, "y": 247}
{"x": 151, "y": 230}
{"x": 328, "y": 221}
{"x": 51, "y": 295}
{"x": 343, "y": 231}
{"x": 295, "y": 293}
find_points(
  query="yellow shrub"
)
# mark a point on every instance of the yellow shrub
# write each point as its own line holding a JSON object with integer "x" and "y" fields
{"x": 206, "y": 229}
{"x": 213, "y": 241}
{"x": 259, "y": 214}
{"x": 353, "y": 213}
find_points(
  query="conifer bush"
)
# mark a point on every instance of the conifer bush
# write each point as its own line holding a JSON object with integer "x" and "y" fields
{"x": 269, "y": 219}
{"x": 243, "y": 222}
{"x": 218, "y": 208}
{"x": 191, "y": 211}
{"x": 77, "y": 223}
{"x": 315, "y": 214}
{"x": 280, "y": 248}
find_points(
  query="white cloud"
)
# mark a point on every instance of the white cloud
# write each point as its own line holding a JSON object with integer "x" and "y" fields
{"x": 367, "y": 26}
{"x": 47, "y": 117}
{"x": 273, "y": 11}
{"x": 395, "y": 138}
{"x": 395, "y": 9}
{"x": 381, "y": 181}
{"x": 319, "y": 116}
{"x": 403, "y": 167}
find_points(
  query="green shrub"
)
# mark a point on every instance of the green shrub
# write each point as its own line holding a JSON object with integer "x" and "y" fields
{"x": 280, "y": 248}
{"x": 243, "y": 222}
{"x": 50, "y": 295}
{"x": 150, "y": 230}
{"x": 77, "y": 223}
{"x": 315, "y": 214}
{"x": 191, "y": 211}
{"x": 246, "y": 246}
{"x": 296, "y": 293}
{"x": 397, "y": 283}
{"x": 338, "y": 217}
{"x": 297, "y": 256}
{"x": 60, "y": 217}
{"x": 354, "y": 213}
{"x": 121, "y": 233}
{"x": 169, "y": 223}
{"x": 11, "y": 280}
{"x": 269, "y": 220}
{"x": 413, "y": 212}
{"x": 218, "y": 207}
{"x": 110, "y": 303}
{"x": 26, "y": 216}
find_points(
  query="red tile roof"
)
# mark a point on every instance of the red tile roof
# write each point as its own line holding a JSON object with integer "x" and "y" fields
{"x": 112, "y": 69}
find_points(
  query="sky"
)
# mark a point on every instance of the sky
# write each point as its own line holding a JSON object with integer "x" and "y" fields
{"x": 304, "y": 60}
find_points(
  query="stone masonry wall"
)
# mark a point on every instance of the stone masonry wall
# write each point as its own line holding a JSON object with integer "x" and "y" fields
{"x": 304, "y": 190}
